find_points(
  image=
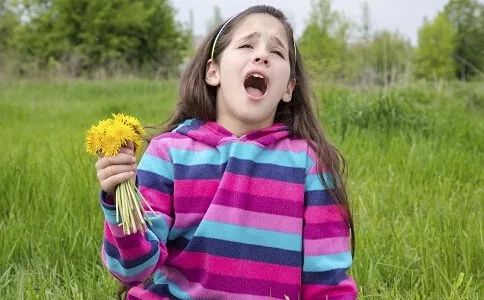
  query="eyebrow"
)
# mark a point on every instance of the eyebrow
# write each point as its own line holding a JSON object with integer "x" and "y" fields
{"x": 256, "y": 34}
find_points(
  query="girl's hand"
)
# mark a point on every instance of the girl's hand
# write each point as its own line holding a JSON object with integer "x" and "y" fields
{"x": 116, "y": 169}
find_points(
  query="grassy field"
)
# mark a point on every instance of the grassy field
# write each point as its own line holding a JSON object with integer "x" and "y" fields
{"x": 415, "y": 157}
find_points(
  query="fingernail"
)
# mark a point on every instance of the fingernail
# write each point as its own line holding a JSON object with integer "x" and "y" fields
{"x": 133, "y": 159}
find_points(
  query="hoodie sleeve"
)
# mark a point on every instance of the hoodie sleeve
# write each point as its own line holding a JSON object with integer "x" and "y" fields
{"x": 326, "y": 241}
{"x": 133, "y": 258}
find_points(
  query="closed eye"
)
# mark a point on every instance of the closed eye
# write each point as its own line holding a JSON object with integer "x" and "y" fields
{"x": 278, "y": 53}
{"x": 274, "y": 51}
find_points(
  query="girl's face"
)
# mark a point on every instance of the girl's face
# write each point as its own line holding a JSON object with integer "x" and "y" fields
{"x": 253, "y": 74}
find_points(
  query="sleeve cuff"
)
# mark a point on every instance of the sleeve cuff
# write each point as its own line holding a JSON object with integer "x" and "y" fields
{"x": 109, "y": 209}
{"x": 107, "y": 199}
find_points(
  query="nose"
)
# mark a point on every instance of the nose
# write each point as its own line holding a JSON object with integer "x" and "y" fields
{"x": 261, "y": 58}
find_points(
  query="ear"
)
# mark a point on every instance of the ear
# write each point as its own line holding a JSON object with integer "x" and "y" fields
{"x": 290, "y": 87}
{"x": 212, "y": 73}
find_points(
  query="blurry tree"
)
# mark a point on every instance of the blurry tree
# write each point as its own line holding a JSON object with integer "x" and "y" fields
{"x": 390, "y": 56}
{"x": 324, "y": 41}
{"x": 8, "y": 23}
{"x": 85, "y": 35}
{"x": 467, "y": 17}
{"x": 436, "y": 44}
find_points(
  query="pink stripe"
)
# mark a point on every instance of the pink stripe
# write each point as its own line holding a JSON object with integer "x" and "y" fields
{"x": 325, "y": 213}
{"x": 238, "y": 268}
{"x": 247, "y": 218}
{"x": 197, "y": 291}
{"x": 131, "y": 246}
{"x": 295, "y": 146}
{"x": 187, "y": 144}
{"x": 138, "y": 293}
{"x": 326, "y": 246}
{"x": 116, "y": 231}
{"x": 156, "y": 148}
{"x": 345, "y": 290}
{"x": 126, "y": 279}
{"x": 185, "y": 220}
{"x": 201, "y": 188}
{"x": 157, "y": 200}
{"x": 262, "y": 187}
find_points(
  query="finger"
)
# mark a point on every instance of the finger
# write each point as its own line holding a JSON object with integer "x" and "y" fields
{"x": 113, "y": 181}
{"x": 119, "y": 159}
{"x": 114, "y": 170}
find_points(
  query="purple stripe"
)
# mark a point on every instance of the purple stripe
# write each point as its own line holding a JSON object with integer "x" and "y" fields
{"x": 325, "y": 230}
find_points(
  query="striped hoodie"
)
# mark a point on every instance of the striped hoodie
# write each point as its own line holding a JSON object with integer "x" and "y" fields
{"x": 234, "y": 218}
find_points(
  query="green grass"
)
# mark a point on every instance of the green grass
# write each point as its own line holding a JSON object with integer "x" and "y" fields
{"x": 415, "y": 157}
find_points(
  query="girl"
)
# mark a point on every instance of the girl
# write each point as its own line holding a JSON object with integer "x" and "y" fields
{"x": 247, "y": 192}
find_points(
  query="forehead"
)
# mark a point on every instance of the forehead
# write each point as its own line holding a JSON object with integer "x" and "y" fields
{"x": 264, "y": 24}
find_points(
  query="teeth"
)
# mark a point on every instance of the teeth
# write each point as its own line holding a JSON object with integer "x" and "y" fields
{"x": 257, "y": 75}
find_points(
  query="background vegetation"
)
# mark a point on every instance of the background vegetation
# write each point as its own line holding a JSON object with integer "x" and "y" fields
{"x": 409, "y": 121}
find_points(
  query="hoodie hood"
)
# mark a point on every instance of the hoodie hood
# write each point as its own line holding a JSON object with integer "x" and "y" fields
{"x": 213, "y": 134}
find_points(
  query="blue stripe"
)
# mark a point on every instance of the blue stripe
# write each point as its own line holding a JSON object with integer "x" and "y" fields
{"x": 318, "y": 198}
{"x": 110, "y": 215}
{"x": 161, "y": 285}
{"x": 244, "y": 151}
{"x": 188, "y": 125}
{"x": 156, "y": 165}
{"x": 239, "y": 250}
{"x": 113, "y": 252}
{"x": 114, "y": 265}
{"x": 242, "y": 167}
{"x": 155, "y": 182}
{"x": 158, "y": 226}
{"x": 200, "y": 171}
{"x": 253, "y": 236}
{"x": 182, "y": 232}
{"x": 313, "y": 183}
{"x": 332, "y": 277}
{"x": 327, "y": 262}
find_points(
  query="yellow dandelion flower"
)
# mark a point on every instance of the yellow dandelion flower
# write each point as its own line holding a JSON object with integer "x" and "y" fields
{"x": 94, "y": 140}
{"x": 111, "y": 134}
{"x": 111, "y": 144}
{"x": 123, "y": 132}
{"x": 131, "y": 121}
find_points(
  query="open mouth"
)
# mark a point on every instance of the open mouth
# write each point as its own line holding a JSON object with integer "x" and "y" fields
{"x": 255, "y": 85}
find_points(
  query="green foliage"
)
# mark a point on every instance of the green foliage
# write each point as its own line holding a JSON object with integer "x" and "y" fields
{"x": 8, "y": 23}
{"x": 436, "y": 41}
{"x": 390, "y": 56}
{"x": 416, "y": 197}
{"x": 323, "y": 43}
{"x": 381, "y": 58}
{"x": 86, "y": 35}
{"x": 467, "y": 17}
{"x": 382, "y": 111}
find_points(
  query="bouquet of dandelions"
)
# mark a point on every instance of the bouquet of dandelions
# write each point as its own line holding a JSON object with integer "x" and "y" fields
{"x": 106, "y": 138}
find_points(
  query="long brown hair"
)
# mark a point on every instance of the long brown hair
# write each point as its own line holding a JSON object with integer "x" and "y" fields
{"x": 197, "y": 99}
